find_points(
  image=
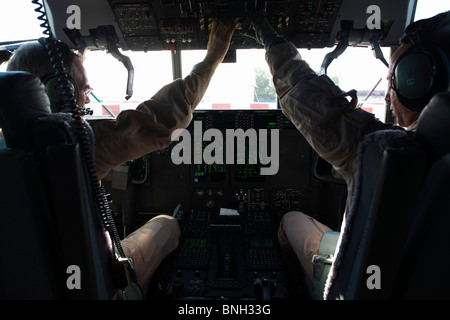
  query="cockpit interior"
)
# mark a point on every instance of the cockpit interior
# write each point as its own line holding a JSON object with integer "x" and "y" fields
{"x": 228, "y": 211}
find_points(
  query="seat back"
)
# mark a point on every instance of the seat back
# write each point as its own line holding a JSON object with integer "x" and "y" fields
{"x": 425, "y": 260}
{"x": 391, "y": 168}
{"x": 28, "y": 268}
{"x": 56, "y": 245}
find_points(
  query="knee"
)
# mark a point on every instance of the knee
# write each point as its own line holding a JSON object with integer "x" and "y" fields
{"x": 166, "y": 220}
{"x": 289, "y": 225}
{"x": 286, "y": 220}
{"x": 169, "y": 225}
{"x": 289, "y": 218}
{"x": 294, "y": 215}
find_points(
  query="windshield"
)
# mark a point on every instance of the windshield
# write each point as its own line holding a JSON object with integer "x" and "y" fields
{"x": 108, "y": 78}
{"x": 245, "y": 84}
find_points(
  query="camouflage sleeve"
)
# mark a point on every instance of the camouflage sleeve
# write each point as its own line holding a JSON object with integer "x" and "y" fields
{"x": 149, "y": 127}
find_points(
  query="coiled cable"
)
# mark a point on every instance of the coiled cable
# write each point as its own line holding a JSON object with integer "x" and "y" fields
{"x": 43, "y": 17}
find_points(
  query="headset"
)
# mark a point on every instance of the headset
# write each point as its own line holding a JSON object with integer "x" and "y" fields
{"x": 418, "y": 74}
{"x": 62, "y": 92}
{"x": 423, "y": 70}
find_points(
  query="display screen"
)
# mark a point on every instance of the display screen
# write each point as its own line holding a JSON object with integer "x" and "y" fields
{"x": 194, "y": 243}
{"x": 261, "y": 243}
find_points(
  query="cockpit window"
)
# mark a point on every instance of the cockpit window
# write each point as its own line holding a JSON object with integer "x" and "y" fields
{"x": 108, "y": 77}
{"x": 244, "y": 84}
{"x": 247, "y": 84}
{"x": 16, "y": 29}
{"x": 356, "y": 68}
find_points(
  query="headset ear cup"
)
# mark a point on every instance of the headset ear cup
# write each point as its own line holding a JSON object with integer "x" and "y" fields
{"x": 418, "y": 75}
{"x": 414, "y": 76}
{"x": 56, "y": 93}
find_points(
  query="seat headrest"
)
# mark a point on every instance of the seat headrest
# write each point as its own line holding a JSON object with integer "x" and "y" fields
{"x": 433, "y": 127}
{"x": 23, "y": 99}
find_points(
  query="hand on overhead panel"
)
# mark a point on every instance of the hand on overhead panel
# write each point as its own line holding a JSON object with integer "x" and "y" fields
{"x": 264, "y": 33}
{"x": 219, "y": 41}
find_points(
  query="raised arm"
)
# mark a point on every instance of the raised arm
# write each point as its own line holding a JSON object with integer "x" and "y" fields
{"x": 149, "y": 128}
{"x": 325, "y": 115}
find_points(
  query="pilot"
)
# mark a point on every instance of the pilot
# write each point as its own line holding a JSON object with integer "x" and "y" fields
{"x": 333, "y": 126}
{"x": 135, "y": 133}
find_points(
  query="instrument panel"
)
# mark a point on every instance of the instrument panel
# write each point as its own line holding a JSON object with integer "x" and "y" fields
{"x": 233, "y": 257}
{"x": 229, "y": 214}
{"x": 143, "y": 25}
{"x": 200, "y": 186}
{"x": 186, "y": 23}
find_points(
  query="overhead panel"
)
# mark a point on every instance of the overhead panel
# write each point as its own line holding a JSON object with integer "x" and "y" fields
{"x": 142, "y": 25}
